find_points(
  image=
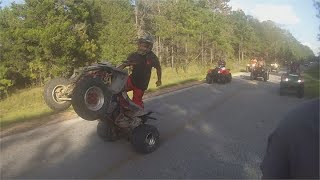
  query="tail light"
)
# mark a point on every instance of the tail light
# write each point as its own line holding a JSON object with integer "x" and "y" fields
{"x": 209, "y": 71}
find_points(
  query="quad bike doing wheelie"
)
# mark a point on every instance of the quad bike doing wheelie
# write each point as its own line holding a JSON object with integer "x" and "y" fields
{"x": 98, "y": 92}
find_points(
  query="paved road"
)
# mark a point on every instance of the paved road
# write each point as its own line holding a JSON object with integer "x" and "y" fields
{"x": 206, "y": 131}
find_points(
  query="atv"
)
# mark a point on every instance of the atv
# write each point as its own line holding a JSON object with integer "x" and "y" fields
{"x": 274, "y": 67}
{"x": 259, "y": 72}
{"x": 218, "y": 75}
{"x": 250, "y": 66}
{"x": 98, "y": 92}
{"x": 292, "y": 83}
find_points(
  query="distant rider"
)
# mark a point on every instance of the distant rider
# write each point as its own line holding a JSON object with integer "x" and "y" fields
{"x": 221, "y": 63}
{"x": 294, "y": 68}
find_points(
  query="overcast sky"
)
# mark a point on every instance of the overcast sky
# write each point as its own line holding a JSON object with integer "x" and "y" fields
{"x": 297, "y": 16}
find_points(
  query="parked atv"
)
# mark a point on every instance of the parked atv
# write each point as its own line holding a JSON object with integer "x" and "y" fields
{"x": 292, "y": 83}
{"x": 274, "y": 67}
{"x": 259, "y": 72}
{"x": 218, "y": 75}
{"x": 98, "y": 92}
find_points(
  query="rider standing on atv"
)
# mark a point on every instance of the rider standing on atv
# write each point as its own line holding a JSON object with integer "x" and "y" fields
{"x": 221, "y": 63}
{"x": 294, "y": 68}
{"x": 142, "y": 62}
{"x": 261, "y": 63}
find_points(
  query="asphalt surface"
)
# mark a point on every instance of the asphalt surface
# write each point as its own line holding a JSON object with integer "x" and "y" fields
{"x": 206, "y": 131}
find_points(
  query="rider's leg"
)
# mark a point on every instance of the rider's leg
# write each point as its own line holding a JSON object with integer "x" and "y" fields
{"x": 137, "y": 93}
{"x": 137, "y": 97}
{"x": 129, "y": 85}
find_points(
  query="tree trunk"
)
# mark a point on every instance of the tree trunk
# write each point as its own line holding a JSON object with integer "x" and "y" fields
{"x": 186, "y": 49}
{"x": 159, "y": 47}
{"x": 172, "y": 54}
{"x": 167, "y": 55}
{"x": 136, "y": 17}
{"x": 211, "y": 56}
{"x": 239, "y": 53}
{"x": 242, "y": 56}
{"x": 202, "y": 49}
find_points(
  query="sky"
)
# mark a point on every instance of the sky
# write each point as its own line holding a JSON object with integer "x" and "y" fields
{"x": 297, "y": 16}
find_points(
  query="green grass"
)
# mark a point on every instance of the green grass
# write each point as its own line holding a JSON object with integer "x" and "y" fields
{"x": 22, "y": 106}
{"x": 28, "y": 104}
{"x": 312, "y": 82}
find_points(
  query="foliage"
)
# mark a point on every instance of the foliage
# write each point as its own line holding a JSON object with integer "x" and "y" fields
{"x": 41, "y": 39}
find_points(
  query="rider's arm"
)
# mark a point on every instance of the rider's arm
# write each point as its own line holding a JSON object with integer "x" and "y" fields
{"x": 156, "y": 64}
{"x": 122, "y": 66}
{"x": 129, "y": 62}
{"x": 159, "y": 74}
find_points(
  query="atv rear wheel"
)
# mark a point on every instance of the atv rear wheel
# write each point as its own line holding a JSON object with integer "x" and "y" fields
{"x": 229, "y": 77}
{"x": 300, "y": 92}
{"x": 54, "y": 91}
{"x": 145, "y": 138}
{"x": 91, "y": 98}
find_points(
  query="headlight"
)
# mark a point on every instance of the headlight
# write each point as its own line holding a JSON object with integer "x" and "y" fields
{"x": 253, "y": 65}
{"x": 219, "y": 72}
{"x": 287, "y": 79}
{"x": 299, "y": 81}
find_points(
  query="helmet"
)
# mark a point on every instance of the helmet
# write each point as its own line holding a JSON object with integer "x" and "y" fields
{"x": 146, "y": 39}
{"x": 221, "y": 62}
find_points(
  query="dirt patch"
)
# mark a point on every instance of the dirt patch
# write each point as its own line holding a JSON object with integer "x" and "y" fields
{"x": 67, "y": 115}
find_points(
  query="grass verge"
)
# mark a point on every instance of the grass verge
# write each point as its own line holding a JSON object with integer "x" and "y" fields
{"x": 312, "y": 82}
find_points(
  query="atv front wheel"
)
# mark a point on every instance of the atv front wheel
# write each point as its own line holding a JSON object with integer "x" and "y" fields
{"x": 106, "y": 130}
{"x": 145, "y": 138}
{"x": 252, "y": 77}
{"x": 265, "y": 77}
{"x": 54, "y": 92}
{"x": 91, "y": 98}
{"x": 208, "y": 79}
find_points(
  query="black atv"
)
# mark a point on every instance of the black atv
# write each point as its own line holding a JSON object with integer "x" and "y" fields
{"x": 274, "y": 67}
{"x": 292, "y": 83}
{"x": 260, "y": 71}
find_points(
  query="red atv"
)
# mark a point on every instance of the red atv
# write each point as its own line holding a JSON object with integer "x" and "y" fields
{"x": 218, "y": 75}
